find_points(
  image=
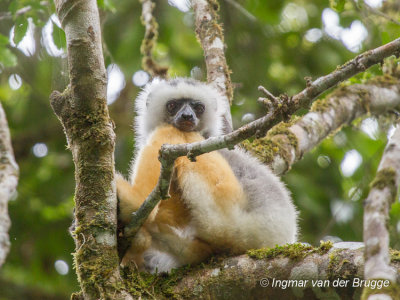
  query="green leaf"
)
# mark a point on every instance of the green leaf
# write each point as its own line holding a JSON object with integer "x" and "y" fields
{"x": 100, "y": 4}
{"x": 3, "y": 40}
{"x": 21, "y": 26}
{"x": 395, "y": 210}
{"x": 7, "y": 58}
{"x": 337, "y": 5}
{"x": 13, "y": 7}
{"x": 59, "y": 37}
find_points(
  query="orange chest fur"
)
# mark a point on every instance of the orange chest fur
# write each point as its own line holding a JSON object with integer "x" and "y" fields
{"x": 173, "y": 211}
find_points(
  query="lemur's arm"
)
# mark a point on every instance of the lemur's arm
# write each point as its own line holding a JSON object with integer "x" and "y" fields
{"x": 145, "y": 173}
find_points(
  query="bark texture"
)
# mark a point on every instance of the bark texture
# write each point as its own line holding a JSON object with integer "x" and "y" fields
{"x": 82, "y": 110}
{"x": 210, "y": 35}
{"x": 8, "y": 183}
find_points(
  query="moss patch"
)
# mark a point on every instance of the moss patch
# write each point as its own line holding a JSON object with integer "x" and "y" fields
{"x": 96, "y": 271}
{"x": 394, "y": 255}
{"x": 384, "y": 81}
{"x": 320, "y": 105}
{"x": 277, "y": 141}
{"x": 339, "y": 266}
{"x": 159, "y": 286}
{"x": 294, "y": 251}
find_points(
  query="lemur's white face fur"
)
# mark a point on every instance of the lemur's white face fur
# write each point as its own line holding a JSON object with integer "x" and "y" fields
{"x": 151, "y": 106}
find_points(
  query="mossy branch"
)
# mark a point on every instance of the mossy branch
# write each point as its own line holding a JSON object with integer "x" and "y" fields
{"x": 287, "y": 142}
{"x": 210, "y": 35}
{"x": 286, "y": 272}
{"x": 150, "y": 40}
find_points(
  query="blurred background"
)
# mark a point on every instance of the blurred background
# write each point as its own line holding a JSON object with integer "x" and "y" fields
{"x": 270, "y": 43}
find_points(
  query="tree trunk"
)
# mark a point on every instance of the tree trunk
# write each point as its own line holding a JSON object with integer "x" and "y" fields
{"x": 82, "y": 109}
{"x": 8, "y": 183}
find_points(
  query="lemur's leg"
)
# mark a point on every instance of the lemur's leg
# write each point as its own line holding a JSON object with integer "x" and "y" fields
{"x": 213, "y": 194}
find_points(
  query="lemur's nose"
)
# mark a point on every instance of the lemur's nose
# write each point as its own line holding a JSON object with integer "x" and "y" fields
{"x": 187, "y": 117}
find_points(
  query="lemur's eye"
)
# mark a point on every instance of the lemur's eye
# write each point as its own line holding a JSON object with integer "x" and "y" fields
{"x": 171, "y": 106}
{"x": 199, "y": 108}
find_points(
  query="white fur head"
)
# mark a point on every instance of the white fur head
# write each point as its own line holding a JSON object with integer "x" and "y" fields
{"x": 150, "y": 106}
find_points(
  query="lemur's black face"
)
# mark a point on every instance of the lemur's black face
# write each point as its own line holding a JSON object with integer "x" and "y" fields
{"x": 185, "y": 114}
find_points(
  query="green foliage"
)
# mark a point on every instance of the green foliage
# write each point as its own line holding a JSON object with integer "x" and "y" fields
{"x": 59, "y": 37}
{"x": 337, "y": 5}
{"x": 21, "y": 26}
{"x": 264, "y": 46}
{"x": 7, "y": 58}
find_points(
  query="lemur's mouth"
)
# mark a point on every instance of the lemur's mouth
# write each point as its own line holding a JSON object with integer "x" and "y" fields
{"x": 186, "y": 125}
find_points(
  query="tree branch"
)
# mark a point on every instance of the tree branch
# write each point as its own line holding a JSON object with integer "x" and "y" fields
{"x": 259, "y": 127}
{"x": 8, "y": 183}
{"x": 357, "y": 65}
{"x": 209, "y": 32}
{"x": 263, "y": 270}
{"x": 291, "y": 141}
{"x": 287, "y": 272}
{"x": 211, "y": 38}
{"x": 149, "y": 40}
{"x": 376, "y": 213}
{"x": 83, "y": 112}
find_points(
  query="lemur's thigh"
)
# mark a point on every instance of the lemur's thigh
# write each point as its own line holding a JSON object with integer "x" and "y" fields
{"x": 210, "y": 177}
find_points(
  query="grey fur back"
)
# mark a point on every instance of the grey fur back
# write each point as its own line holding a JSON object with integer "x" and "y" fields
{"x": 262, "y": 187}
